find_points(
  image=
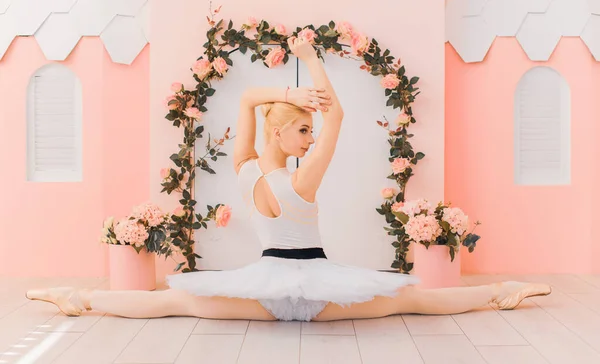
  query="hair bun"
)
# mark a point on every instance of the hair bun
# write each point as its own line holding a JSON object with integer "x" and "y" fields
{"x": 266, "y": 108}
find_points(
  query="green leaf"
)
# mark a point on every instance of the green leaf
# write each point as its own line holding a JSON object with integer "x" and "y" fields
{"x": 420, "y": 155}
{"x": 178, "y": 267}
{"x": 186, "y": 195}
{"x": 401, "y": 216}
{"x": 414, "y": 80}
{"x": 331, "y": 24}
{"x": 210, "y": 92}
{"x": 396, "y": 264}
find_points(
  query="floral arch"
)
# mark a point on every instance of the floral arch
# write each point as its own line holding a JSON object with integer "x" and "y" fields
{"x": 408, "y": 221}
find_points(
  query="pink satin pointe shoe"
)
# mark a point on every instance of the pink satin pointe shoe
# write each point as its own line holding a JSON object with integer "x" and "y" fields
{"x": 512, "y": 293}
{"x": 59, "y": 296}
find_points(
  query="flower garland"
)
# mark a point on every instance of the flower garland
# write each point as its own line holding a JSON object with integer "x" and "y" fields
{"x": 186, "y": 108}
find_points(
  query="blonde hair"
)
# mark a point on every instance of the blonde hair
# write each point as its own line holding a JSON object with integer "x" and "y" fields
{"x": 281, "y": 115}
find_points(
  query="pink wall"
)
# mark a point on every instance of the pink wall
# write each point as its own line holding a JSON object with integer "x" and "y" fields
{"x": 525, "y": 229}
{"x": 52, "y": 229}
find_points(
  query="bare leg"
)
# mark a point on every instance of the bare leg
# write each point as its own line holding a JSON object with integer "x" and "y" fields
{"x": 442, "y": 301}
{"x": 150, "y": 304}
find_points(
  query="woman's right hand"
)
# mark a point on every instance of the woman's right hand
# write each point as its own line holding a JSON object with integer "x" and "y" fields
{"x": 310, "y": 99}
{"x": 302, "y": 48}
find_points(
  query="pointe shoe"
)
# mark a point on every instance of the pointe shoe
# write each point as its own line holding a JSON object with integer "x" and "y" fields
{"x": 520, "y": 291}
{"x": 60, "y": 296}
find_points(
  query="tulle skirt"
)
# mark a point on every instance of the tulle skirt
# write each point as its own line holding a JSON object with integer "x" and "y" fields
{"x": 294, "y": 289}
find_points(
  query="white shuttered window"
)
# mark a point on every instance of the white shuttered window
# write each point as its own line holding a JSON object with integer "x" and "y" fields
{"x": 542, "y": 129}
{"x": 54, "y": 126}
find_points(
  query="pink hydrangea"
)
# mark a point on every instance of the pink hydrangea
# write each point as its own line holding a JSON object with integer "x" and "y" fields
{"x": 415, "y": 207}
{"x": 131, "y": 232}
{"x": 150, "y": 213}
{"x": 423, "y": 228}
{"x": 455, "y": 217}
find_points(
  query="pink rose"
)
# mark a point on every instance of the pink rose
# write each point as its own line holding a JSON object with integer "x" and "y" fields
{"x": 388, "y": 193}
{"x": 176, "y": 87}
{"x": 275, "y": 57}
{"x": 201, "y": 68}
{"x": 193, "y": 113}
{"x": 403, "y": 119}
{"x": 251, "y": 22}
{"x": 280, "y": 29}
{"x": 220, "y": 65}
{"x": 165, "y": 172}
{"x": 345, "y": 29}
{"x": 390, "y": 81}
{"x": 171, "y": 105}
{"x": 399, "y": 165}
{"x": 359, "y": 43}
{"x": 223, "y": 215}
{"x": 397, "y": 207}
{"x": 308, "y": 34}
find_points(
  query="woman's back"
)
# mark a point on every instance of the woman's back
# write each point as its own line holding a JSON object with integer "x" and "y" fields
{"x": 282, "y": 218}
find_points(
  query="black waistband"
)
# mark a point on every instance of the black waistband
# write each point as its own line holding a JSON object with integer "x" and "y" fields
{"x": 306, "y": 253}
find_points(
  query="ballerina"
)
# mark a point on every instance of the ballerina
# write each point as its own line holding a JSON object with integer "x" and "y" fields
{"x": 293, "y": 280}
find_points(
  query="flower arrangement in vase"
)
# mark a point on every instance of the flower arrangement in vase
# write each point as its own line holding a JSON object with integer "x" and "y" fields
{"x": 440, "y": 225}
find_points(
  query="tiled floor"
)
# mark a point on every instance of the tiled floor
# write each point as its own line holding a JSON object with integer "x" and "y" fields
{"x": 561, "y": 328}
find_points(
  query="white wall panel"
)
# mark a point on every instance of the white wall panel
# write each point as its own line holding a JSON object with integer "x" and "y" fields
{"x": 7, "y": 33}
{"x": 129, "y": 7}
{"x": 594, "y": 6}
{"x": 60, "y": 6}
{"x": 538, "y": 36}
{"x": 123, "y": 39}
{"x": 81, "y": 18}
{"x": 92, "y": 16}
{"x": 591, "y": 36}
{"x": 537, "y": 24}
{"x": 569, "y": 15}
{"x": 505, "y": 16}
{"x": 471, "y": 37}
{"x": 4, "y": 4}
{"x": 57, "y": 36}
{"x": 28, "y": 15}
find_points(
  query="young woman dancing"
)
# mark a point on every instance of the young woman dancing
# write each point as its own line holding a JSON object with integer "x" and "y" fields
{"x": 293, "y": 280}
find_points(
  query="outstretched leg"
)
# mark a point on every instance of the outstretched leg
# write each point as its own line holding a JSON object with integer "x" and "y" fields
{"x": 443, "y": 301}
{"x": 150, "y": 304}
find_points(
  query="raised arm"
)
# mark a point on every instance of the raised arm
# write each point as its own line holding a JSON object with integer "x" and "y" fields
{"x": 309, "y": 175}
{"x": 243, "y": 148}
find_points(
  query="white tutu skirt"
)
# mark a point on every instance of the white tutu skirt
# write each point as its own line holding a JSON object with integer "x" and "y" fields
{"x": 294, "y": 288}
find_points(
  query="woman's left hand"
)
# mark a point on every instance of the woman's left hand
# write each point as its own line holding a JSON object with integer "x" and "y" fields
{"x": 309, "y": 98}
